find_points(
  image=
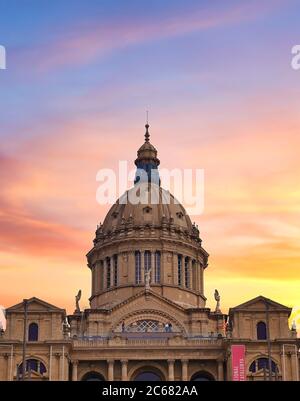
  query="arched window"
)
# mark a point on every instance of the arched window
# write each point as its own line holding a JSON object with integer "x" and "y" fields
{"x": 262, "y": 364}
{"x": 179, "y": 269}
{"x": 144, "y": 326}
{"x": 115, "y": 270}
{"x": 186, "y": 272}
{"x": 138, "y": 271}
{"x": 33, "y": 365}
{"x": 147, "y": 261}
{"x": 108, "y": 273}
{"x": 261, "y": 330}
{"x": 157, "y": 267}
{"x": 33, "y": 332}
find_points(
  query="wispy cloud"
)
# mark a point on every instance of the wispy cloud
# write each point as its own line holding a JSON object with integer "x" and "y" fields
{"x": 84, "y": 42}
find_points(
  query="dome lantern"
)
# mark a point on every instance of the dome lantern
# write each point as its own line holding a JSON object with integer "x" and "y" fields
{"x": 147, "y": 162}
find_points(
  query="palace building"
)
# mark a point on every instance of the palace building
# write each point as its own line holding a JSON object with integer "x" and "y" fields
{"x": 148, "y": 318}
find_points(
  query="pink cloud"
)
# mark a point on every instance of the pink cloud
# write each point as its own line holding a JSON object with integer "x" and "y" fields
{"x": 83, "y": 43}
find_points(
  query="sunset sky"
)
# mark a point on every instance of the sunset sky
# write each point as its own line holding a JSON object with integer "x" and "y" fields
{"x": 216, "y": 77}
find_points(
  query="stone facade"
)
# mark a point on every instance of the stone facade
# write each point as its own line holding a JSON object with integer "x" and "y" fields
{"x": 148, "y": 317}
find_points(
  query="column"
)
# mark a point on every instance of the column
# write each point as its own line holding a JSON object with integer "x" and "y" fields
{"x": 4, "y": 366}
{"x": 74, "y": 371}
{"x": 171, "y": 369}
{"x": 10, "y": 367}
{"x": 61, "y": 368}
{"x": 297, "y": 363}
{"x": 194, "y": 276}
{"x": 220, "y": 370}
{"x": 190, "y": 273}
{"x": 97, "y": 275}
{"x": 63, "y": 365}
{"x": 175, "y": 268}
{"x": 130, "y": 267}
{"x": 110, "y": 375}
{"x": 124, "y": 369}
{"x": 97, "y": 287}
{"x": 50, "y": 364}
{"x": 93, "y": 279}
{"x": 200, "y": 277}
{"x": 294, "y": 365}
{"x": 283, "y": 366}
{"x": 184, "y": 368}
{"x": 112, "y": 272}
{"x": 104, "y": 274}
{"x": 101, "y": 276}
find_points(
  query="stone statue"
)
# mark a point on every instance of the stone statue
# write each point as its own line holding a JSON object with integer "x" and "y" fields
{"x": 217, "y": 298}
{"x": 147, "y": 279}
{"x": 77, "y": 299}
{"x": 66, "y": 327}
{"x": 294, "y": 326}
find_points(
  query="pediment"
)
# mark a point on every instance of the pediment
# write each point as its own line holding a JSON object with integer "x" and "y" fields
{"x": 149, "y": 298}
{"x": 35, "y": 305}
{"x": 260, "y": 303}
{"x": 148, "y": 305}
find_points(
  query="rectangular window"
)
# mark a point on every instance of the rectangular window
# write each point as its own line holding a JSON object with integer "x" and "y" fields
{"x": 179, "y": 269}
{"x": 115, "y": 270}
{"x": 157, "y": 267}
{"x": 108, "y": 273}
{"x": 186, "y": 272}
{"x": 137, "y": 267}
{"x": 101, "y": 275}
{"x": 147, "y": 260}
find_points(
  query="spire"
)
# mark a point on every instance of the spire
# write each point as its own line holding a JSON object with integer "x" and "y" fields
{"x": 147, "y": 135}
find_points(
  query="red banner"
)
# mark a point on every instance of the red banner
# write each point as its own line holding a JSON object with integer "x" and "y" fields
{"x": 238, "y": 362}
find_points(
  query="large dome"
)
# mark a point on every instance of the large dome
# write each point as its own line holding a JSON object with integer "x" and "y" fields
{"x": 147, "y": 240}
{"x": 163, "y": 219}
{"x": 167, "y": 210}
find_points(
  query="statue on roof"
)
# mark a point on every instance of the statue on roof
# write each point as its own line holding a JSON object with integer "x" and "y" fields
{"x": 217, "y": 298}
{"x": 77, "y": 299}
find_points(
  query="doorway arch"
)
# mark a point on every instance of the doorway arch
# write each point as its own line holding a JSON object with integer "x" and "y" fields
{"x": 147, "y": 373}
{"x": 92, "y": 377}
{"x": 202, "y": 376}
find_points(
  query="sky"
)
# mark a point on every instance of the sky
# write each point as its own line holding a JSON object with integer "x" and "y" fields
{"x": 217, "y": 80}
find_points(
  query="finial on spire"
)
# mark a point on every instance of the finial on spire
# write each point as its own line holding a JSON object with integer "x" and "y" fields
{"x": 147, "y": 135}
